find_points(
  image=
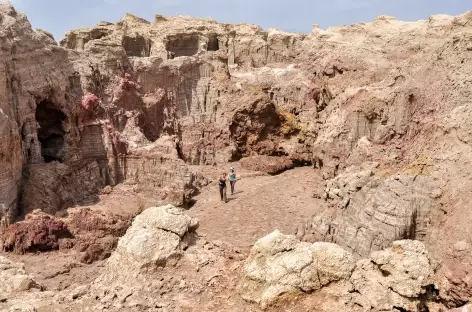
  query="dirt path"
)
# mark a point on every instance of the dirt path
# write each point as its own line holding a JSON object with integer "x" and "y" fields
{"x": 260, "y": 205}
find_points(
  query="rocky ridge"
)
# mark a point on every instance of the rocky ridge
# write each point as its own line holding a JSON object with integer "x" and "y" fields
{"x": 381, "y": 111}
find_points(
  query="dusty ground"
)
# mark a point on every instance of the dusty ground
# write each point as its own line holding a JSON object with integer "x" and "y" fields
{"x": 261, "y": 204}
{"x": 287, "y": 203}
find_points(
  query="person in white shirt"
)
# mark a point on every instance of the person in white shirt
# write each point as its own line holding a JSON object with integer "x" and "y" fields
{"x": 232, "y": 179}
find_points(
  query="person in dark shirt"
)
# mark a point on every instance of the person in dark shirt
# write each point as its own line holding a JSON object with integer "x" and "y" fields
{"x": 222, "y": 186}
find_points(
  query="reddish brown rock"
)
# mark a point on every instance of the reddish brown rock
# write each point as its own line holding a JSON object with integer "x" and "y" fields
{"x": 84, "y": 221}
{"x": 36, "y": 233}
{"x": 89, "y": 101}
{"x": 96, "y": 233}
{"x": 267, "y": 164}
{"x": 456, "y": 282}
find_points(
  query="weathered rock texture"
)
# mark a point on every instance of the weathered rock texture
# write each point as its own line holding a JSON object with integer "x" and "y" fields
{"x": 14, "y": 278}
{"x": 95, "y": 233}
{"x": 155, "y": 237}
{"x": 280, "y": 264}
{"x": 138, "y": 102}
{"x": 401, "y": 277}
{"x": 92, "y": 111}
{"x": 398, "y": 278}
{"x": 267, "y": 164}
{"x": 370, "y": 213}
{"x": 92, "y": 234}
{"x": 39, "y": 232}
{"x": 161, "y": 263}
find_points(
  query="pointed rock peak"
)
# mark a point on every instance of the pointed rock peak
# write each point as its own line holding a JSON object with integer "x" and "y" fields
{"x": 158, "y": 18}
{"x": 135, "y": 19}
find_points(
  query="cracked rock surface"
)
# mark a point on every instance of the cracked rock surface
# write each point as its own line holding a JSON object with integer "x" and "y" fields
{"x": 401, "y": 276}
{"x": 154, "y": 237}
{"x": 398, "y": 277}
{"x": 281, "y": 264}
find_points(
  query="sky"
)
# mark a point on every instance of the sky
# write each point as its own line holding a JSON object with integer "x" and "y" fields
{"x": 59, "y": 16}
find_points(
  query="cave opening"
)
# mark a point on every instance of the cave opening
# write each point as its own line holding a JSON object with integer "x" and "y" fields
{"x": 182, "y": 45}
{"x": 213, "y": 43}
{"x": 137, "y": 46}
{"x": 50, "y": 132}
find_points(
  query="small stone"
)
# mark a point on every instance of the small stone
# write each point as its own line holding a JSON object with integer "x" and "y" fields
{"x": 117, "y": 305}
{"x": 107, "y": 190}
{"x": 461, "y": 246}
{"x": 79, "y": 292}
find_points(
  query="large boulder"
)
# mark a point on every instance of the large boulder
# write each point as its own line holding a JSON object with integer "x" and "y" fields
{"x": 400, "y": 277}
{"x": 14, "y": 278}
{"x": 280, "y": 264}
{"x": 155, "y": 237}
{"x": 160, "y": 263}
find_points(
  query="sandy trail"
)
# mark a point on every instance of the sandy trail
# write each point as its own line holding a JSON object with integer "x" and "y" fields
{"x": 260, "y": 205}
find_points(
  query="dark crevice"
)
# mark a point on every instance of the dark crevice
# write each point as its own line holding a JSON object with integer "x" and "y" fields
{"x": 431, "y": 294}
{"x": 302, "y": 163}
{"x": 178, "y": 147}
{"x": 50, "y": 132}
{"x": 410, "y": 231}
{"x": 385, "y": 273}
{"x": 19, "y": 204}
{"x": 213, "y": 43}
{"x": 318, "y": 163}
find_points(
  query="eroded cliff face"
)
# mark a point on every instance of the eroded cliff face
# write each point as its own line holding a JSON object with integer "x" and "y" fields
{"x": 94, "y": 110}
{"x": 37, "y": 119}
{"x": 388, "y": 92}
{"x": 382, "y": 109}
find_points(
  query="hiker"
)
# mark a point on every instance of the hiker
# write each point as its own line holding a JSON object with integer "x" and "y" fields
{"x": 232, "y": 179}
{"x": 222, "y": 186}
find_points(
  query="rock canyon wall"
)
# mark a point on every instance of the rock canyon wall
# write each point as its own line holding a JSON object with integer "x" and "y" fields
{"x": 137, "y": 102}
{"x": 382, "y": 110}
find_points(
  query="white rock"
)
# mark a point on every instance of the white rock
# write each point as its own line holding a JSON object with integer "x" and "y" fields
{"x": 13, "y": 277}
{"x": 280, "y": 264}
{"x": 394, "y": 277}
{"x": 22, "y": 307}
{"x": 167, "y": 218}
{"x": 154, "y": 237}
{"x": 461, "y": 246}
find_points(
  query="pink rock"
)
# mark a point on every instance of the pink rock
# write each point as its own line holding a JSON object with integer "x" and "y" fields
{"x": 89, "y": 101}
